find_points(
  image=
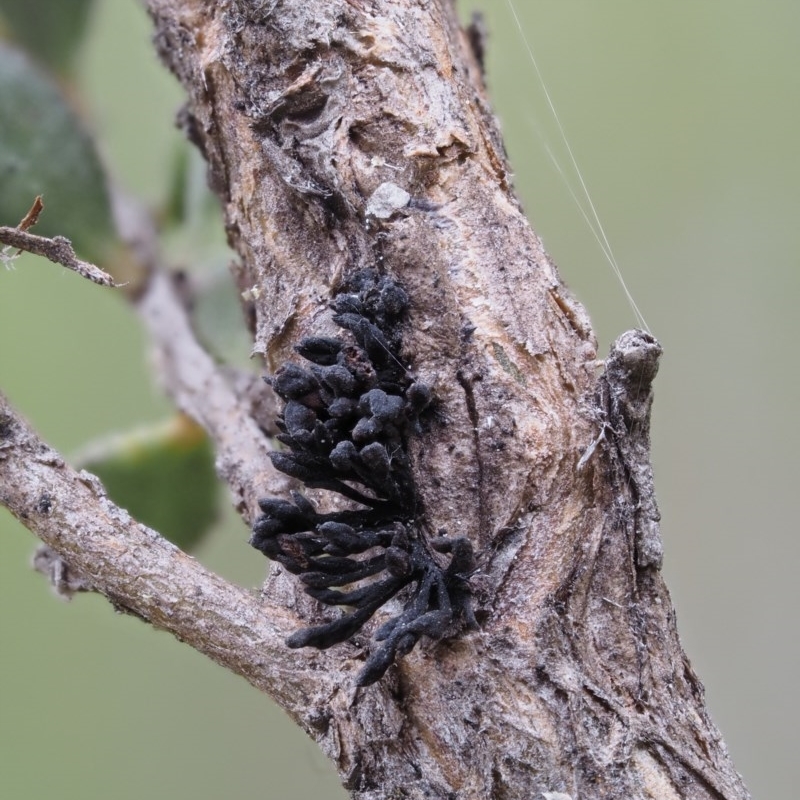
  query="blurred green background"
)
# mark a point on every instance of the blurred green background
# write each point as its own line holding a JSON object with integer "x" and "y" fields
{"x": 684, "y": 118}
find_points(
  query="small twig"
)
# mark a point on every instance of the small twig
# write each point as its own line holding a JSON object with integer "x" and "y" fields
{"x": 59, "y": 250}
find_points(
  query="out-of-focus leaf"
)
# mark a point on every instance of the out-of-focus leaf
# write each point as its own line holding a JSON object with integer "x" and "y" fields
{"x": 192, "y": 210}
{"x": 219, "y": 320}
{"x": 51, "y": 30}
{"x": 45, "y": 151}
{"x": 174, "y": 212}
{"x": 163, "y": 475}
{"x": 194, "y": 235}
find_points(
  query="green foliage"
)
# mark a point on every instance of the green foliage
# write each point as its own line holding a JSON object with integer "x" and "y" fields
{"x": 53, "y": 31}
{"x": 163, "y": 475}
{"x": 45, "y": 150}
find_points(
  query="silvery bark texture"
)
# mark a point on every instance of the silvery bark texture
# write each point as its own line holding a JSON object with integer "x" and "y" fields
{"x": 345, "y": 134}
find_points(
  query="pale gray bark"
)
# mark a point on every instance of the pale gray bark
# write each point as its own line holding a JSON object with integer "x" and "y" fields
{"x": 576, "y": 682}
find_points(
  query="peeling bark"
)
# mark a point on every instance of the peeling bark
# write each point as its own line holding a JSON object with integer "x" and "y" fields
{"x": 344, "y": 134}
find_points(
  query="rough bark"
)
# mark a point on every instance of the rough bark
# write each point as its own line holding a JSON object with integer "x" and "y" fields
{"x": 315, "y": 119}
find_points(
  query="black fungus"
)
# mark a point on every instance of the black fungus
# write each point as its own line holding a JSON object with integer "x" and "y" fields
{"x": 292, "y": 382}
{"x": 320, "y": 350}
{"x": 345, "y": 423}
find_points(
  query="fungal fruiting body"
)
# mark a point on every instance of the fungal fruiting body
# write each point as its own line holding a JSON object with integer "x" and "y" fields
{"x": 345, "y": 425}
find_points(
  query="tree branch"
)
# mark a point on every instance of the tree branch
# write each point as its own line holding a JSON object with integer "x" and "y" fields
{"x": 143, "y": 574}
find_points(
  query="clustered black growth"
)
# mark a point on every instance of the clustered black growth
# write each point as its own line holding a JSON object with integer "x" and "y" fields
{"x": 344, "y": 423}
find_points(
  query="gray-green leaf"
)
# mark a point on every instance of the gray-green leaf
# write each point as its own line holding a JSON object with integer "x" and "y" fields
{"x": 44, "y": 150}
{"x": 163, "y": 475}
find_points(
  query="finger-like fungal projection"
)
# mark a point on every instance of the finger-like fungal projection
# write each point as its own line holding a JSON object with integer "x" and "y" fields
{"x": 345, "y": 426}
